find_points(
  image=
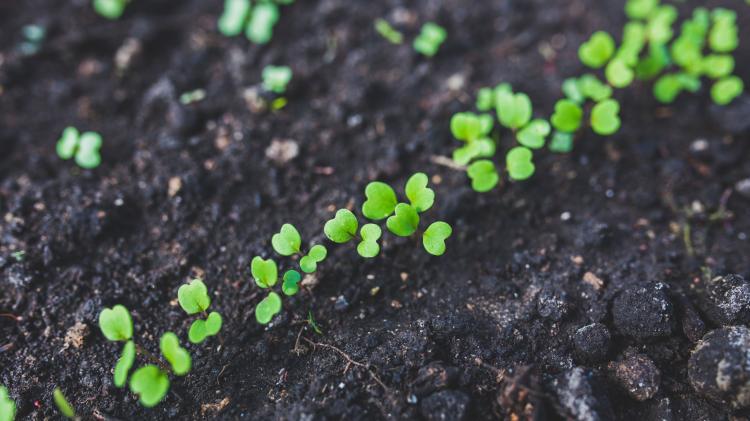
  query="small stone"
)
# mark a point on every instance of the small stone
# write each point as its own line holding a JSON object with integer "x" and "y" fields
{"x": 644, "y": 312}
{"x": 282, "y": 151}
{"x": 592, "y": 342}
{"x": 637, "y": 374}
{"x": 743, "y": 187}
{"x": 447, "y": 405}
{"x": 341, "y": 303}
{"x": 434, "y": 377}
{"x": 581, "y": 396}
{"x": 719, "y": 366}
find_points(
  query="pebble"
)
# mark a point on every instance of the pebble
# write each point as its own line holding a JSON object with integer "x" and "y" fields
{"x": 726, "y": 300}
{"x": 719, "y": 366}
{"x": 591, "y": 342}
{"x": 743, "y": 187}
{"x": 581, "y": 396}
{"x": 644, "y": 312}
{"x": 637, "y": 375}
{"x": 447, "y": 405}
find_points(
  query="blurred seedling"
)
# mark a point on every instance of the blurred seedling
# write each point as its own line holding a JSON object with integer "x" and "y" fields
{"x": 7, "y": 406}
{"x": 276, "y": 78}
{"x": 388, "y": 32}
{"x": 110, "y": 9}
{"x": 33, "y": 37}
{"x": 256, "y": 19}
{"x": 84, "y": 148}
{"x": 63, "y": 406}
{"x": 430, "y": 37}
{"x": 193, "y": 298}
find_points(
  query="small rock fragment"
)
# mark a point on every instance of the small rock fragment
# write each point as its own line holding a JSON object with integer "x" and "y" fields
{"x": 719, "y": 367}
{"x": 75, "y": 335}
{"x": 591, "y": 342}
{"x": 726, "y": 300}
{"x": 447, "y": 405}
{"x": 637, "y": 374}
{"x": 433, "y": 377}
{"x": 582, "y": 398}
{"x": 644, "y": 312}
{"x": 743, "y": 187}
{"x": 282, "y": 151}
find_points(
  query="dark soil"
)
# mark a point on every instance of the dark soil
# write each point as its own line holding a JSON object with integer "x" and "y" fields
{"x": 490, "y": 330}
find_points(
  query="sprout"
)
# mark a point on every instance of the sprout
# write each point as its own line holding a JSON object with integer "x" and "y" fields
{"x": 633, "y": 41}
{"x": 116, "y": 323}
{"x": 561, "y": 142}
{"x": 177, "y": 356}
{"x": 483, "y": 175}
{"x": 290, "y": 286}
{"x": 264, "y": 272}
{"x": 659, "y": 27}
{"x": 474, "y": 130}
{"x": 513, "y": 110}
{"x": 7, "y": 406}
{"x": 288, "y": 241}
{"x": 717, "y": 66}
{"x": 723, "y": 35}
{"x": 193, "y": 298}
{"x": 534, "y": 134}
{"x": 267, "y": 308}
{"x": 388, "y": 32}
{"x": 485, "y": 99}
{"x": 343, "y": 227}
{"x": 420, "y": 196}
{"x": 62, "y": 404}
{"x": 309, "y": 263}
{"x": 591, "y": 87}
{"x": 640, "y": 9}
{"x": 124, "y": 364}
{"x": 404, "y": 222}
{"x": 263, "y": 18}
{"x": 381, "y": 201}
{"x": 110, "y": 9}
{"x": 519, "y": 164}
{"x": 369, "y": 246}
{"x": 234, "y": 17}
{"x": 605, "y": 119}
{"x": 727, "y": 89}
{"x": 650, "y": 66}
{"x": 83, "y": 147}
{"x": 151, "y": 384}
{"x": 567, "y": 117}
{"x": 429, "y": 39}
{"x": 276, "y": 78}
{"x": 597, "y": 51}
{"x": 571, "y": 88}
{"x": 619, "y": 74}
{"x": 434, "y": 237}
{"x": 201, "y": 329}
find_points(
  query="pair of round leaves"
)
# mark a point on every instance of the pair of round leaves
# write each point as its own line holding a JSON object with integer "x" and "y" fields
{"x": 618, "y": 73}
{"x": 429, "y": 39}
{"x": 267, "y": 308}
{"x": 513, "y": 110}
{"x": 110, "y": 9}
{"x": 276, "y": 78}
{"x": 83, "y": 147}
{"x": 7, "y": 406}
{"x": 567, "y": 117}
{"x": 605, "y": 118}
{"x": 193, "y": 298}
{"x": 116, "y": 323}
{"x": 519, "y": 163}
{"x": 640, "y": 9}
{"x": 597, "y": 51}
{"x": 288, "y": 242}
{"x": 151, "y": 384}
{"x": 178, "y": 357}
{"x": 265, "y": 272}
{"x": 725, "y": 90}
{"x": 263, "y": 17}
{"x": 382, "y": 202}
{"x": 232, "y": 20}
{"x": 468, "y": 126}
{"x": 534, "y": 134}
{"x": 483, "y": 175}
{"x": 669, "y": 86}
{"x": 343, "y": 228}
{"x": 202, "y": 329}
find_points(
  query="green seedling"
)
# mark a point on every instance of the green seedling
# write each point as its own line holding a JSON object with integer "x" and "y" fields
{"x": 234, "y": 17}
{"x": 561, "y": 142}
{"x": 571, "y": 88}
{"x": 534, "y": 134}
{"x": 727, "y": 89}
{"x": 597, "y": 51}
{"x": 201, "y": 329}
{"x": 723, "y": 36}
{"x": 404, "y": 222}
{"x": 62, "y": 404}
{"x": 265, "y": 272}
{"x": 151, "y": 384}
{"x": 485, "y": 99}
{"x": 33, "y": 36}
{"x": 650, "y": 66}
{"x": 290, "y": 286}
{"x": 263, "y": 18}
{"x": 388, "y": 32}
{"x": 717, "y": 66}
{"x": 659, "y": 26}
{"x": 640, "y": 9}
{"x": 420, "y": 196}
{"x": 619, "y": 74}
{"x": 124, "y": 364}
{"x": 193, "y": 298}
{"x": 429, "y": 39}
{"x": 633, "y": 41}
{"x": 483, "y": 175}
{"x": 193, "y": 96}
{"x": 276, "y": 78}
{"x": 369, "y": 246}
{"x": 83, "y": 147}
{"x": 381, "y": 201}
{"x": 591, "y": 87}
{"x": 513, "y": 110}
{"x": 116, "y": 323}
{"x": 309, "y": 263}
{"x": 567, "y": 117}
{"x": 605, "y": 119}
{"x": 288, "y": 241}
{"x": 7, "y": 406}
{"x": 474, "y": 130}
{"x": 519, "y": 164}
{"x": 313, "y": 324}
{"x": 267, "y": 308}
{"x": 343, "y": 227}
{"x": 177, "y": 356}
{"x": 434, "y": 237}
{"x": 110, "y": 9}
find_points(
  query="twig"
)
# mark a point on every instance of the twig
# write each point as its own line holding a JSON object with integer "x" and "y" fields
{"x": 350, "y": 362}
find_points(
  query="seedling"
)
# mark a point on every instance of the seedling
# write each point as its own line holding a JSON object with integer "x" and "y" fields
{"x": 177, "y": 356}
{"x": 276, "y": 78}
{"x": 513, "y": 110}
{"x": 257, "y": 19}
{"x": 234, "y": 17}
{"x": 605, "y": 119}
{"x": 534, "y": 134}
{"x": 381, "y": 201}
{"x": 405, "y": 220}
{"x": 369, "y": 246}
{"x": 83, "y": 147}
{"x": 343, "y": 227}
{"x": 483, "y": 175}
{"x": 474, "y": 130}
{"x": 561, "y": 142}
{"x": 263, "y": 18}
{"x": 290, "y": 286}
{"x": 619, "y": 74}
{"x": 151, "y": 384}
{"x": 429, "y": 39}
{"x": 567, "y": 117}
{"x": 313, "y": 324}
{"x": 193, "y": 298}
{"x": 388, "y": 32}
{"x": 265, "y": 272}
{"x": 727, "y": 89}
{"x": 110, "y": 9}
{"x": 63, "y": 405}
{"x": 7, "y": 406}
{"x": 419, "y": 195}
{"x": 519, "y": 164}
{"x": 309, "y": 263}
{"x": 267, "y": 308}
{"x": 434, "y": 237}
{"x": 288, "y": 241}
{"x": 640, "y": 9}
{"x": 597, "y": 51}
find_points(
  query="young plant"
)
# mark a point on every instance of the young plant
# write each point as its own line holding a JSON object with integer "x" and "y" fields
{"x": 256, "y": 19}
{"x": 193, "y": 298}
{"x": 110, "y": 9}
{"x": 33, "y": 37}
{"x": 388, "y": 32}
{"x": 7, "y": 406}
{"x": 430, "y": 37}
{"x": 83, "y": 147}
{"x": 276, "y": 78}
{"x": 63, "y": 405}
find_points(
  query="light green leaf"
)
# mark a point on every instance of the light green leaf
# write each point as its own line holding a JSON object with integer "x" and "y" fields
{"x": 276, "y": 78}
{"x": 483, "y": 175}
{"x": 290, "y": 286}
{"x": 267, "y": 308}
{"x": 87, "y": 155}
{"x": 727, "y": 89}
{"x": 264, "y": 272}
{"x": 381, "y": 201}
{"x": 110, "y": 9}
{"x": 717, "y": 66}
{"x": 309, "y": 263}
{"x": 124, "y": 364}
{"x": 233, "y": 19}
{"x": 420, "y": 196}
{"x": 116, "y": 323}
{"x": 561, "y": 142}
{"x": 193, "y": 297}
{"x": 605, "y": 119}
{"x": 434, "y": 237}
{"x": 7, "y": 406}
{"x": 513, "y": 110}
{"x": 369, "y": 246}
{"x": 62, "y": 404}
{"x": 567, "y": 117}
{"x": 597, "y": 51}
{"x": 592, "y": 87}
{"x": 619, "y": 74}
{"x": 287, "y": 241}
{"x": 177, "y": 356}
{"x": 640, "y": 9}
{"x": 68, "y": 143}
{"x": 342, "y": 228}
{"x": 404, "y": 222}
{"x": 466, "y": 126}
{"x": 263, "y": 17}
{"x": 429, "y": 39}
{"x": 150, "y": 384}
{"x": 519, "y": 164}
{"x": 534, "y": 134}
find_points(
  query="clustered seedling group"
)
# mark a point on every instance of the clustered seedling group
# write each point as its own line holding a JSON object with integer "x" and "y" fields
{"x": 256, "y": 19}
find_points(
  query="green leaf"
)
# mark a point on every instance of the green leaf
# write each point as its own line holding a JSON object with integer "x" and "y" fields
{"x": 201, "y": 329}
{"x": 429, "y": 39}
{"x": 483, "y": 175}
{"x": 725, "y": 90}
{"x": 485, "y": 99}
{"x": 466, "y": 126}
{"x": 290, "y": 286}
{"x": 404, "y": 222}
{"x": 62, "y": 404}
{"x": 650, "y": 67}
{"x": 193, "y": 297}
{"x": 660, "y": 25}
{"x": 68, "y": 143}
{"x": 110, "y": 9}
{"x": 717, "y": 66}
{"x": 466, "y": 153}
{"x": 640, "y": 9}
{"x": 288, "y": 241}
{"x": 150, "y": 384}
{"x": 369, "y": 246}
{"x": 116, "y": 323}
{"x": 214, "y": 321}
{"x": 592, "y": 87}
{"x": 633, "y": 41}
{"x": 513, "y": 110}
{"x": 619, "y": 74}
{"x": 276, "y": 78}
{"x": 232, "y": 20}
{"x": 342, "y": 228}
{"x": 177, "y": 356}
{"x": 87, "y": 155}
{"x": 420, "y": 196}
{"x": 381, "y": 201}
{"x": 667, "y": 88}
{"x": 561, "y": 142}
{"x": 519, "y": 164}
{"x": 388, "y": 32}
{"x": 124, "y": 364}
{"x": 263, "y": 17}
{"x": 434, "y": 237}
{"x": 597, "y": 51}
{"x": 572, "y": 90}
{"x": 605, "y": 119}
{"x": 567, "y": 117}
{"x": 264, "y": 272}
{"x": 267, "y": 308}
{"x": 309, "y": 263}
{"x": 534, "y": 134}
{"x": 723, "y": 37}
{"x": 7, "y": 406}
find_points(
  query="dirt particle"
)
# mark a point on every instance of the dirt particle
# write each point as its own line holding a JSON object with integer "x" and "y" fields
{"x": 396, "y": 304}
{"x": 592, "y": 342}
{"x": 719, "y": 367}
{"x": 175, "y": 184}
{"x": 214, "y": 408}
{"x": 593, "y": 280}
{"x": 282, "y": 151}
{"x": 726, "y": 300}
{"x": 637, "y": 375}
{"x": 644, "y": 312}
{"x": 75, "y": 335}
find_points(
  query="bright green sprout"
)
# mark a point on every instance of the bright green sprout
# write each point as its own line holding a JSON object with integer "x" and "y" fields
{"x": 420, "y": 196}
{"x": 263, "y": 18}
{"x": 519, "y": 164}
{"x": 18, "y": 255}
{"x": 276, "y": 78}
{"x": 193, "y": 96}
{"x": 110, "y": 9}
{"x": 404, "y": 222}
{"x": 388, "y": 32}
{"x": 116, "y": 323}
{"x": 723, "y": 37}
{"x": 264, "y": 272}
{"x": 485, "y": 99}
{"x": 567, "y": 117}
{"x": 659, "y": 25}
{"x": 513, "y": 110}
{"x": 7, "y": 406}
{"x": 381, "y": 201}
{"x": 124, "y": 364}
{"x": 288, "y": 241}
{"x": 572, "y": 90}
{"x": 290, "y": 286}
{"x": 633, "y": 41}
{"x": 234, "y": 17}
{"x": 150, "y": 384}
{"x": 468, "y": 126}
{"x": 534, "y": 134}
{"x": 343, "y": 227}
{"x": 434, "y": 237}
{"x": 429, "y": 39}
{"x": 667, "y": 88}
{"x": 177, "y": 356}
{"x": 561, "y": 142}
{"x": 619, "y": 74}
{"x": 201, "y": 329}
{"x": 605, "y": 119}
{"x": 727, "y": 89}
{"x": 309, "y": 263}
{"x": 62, "y": 404}
{"x": 717, "y": 66}
{"x": 267, "y": 308}
{"x": 651, "y": 65}
{"x": 313, "y": 324}
{"x": 474, "y": 130}
{"x": 483, "y": 175}
{"x": 597, "y": 51}
{"x": 369, "y": 246}
{"x": 591, "y": 87}
{"x": 193, "y": 297}
{"x": 83, "y": 147}
{"x": 640, "y": 9}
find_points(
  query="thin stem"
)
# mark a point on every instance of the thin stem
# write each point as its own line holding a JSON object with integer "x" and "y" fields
{"x": 151, "y": 357}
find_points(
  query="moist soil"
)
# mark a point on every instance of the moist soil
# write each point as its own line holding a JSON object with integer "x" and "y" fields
{"x": 575, "y": 294}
